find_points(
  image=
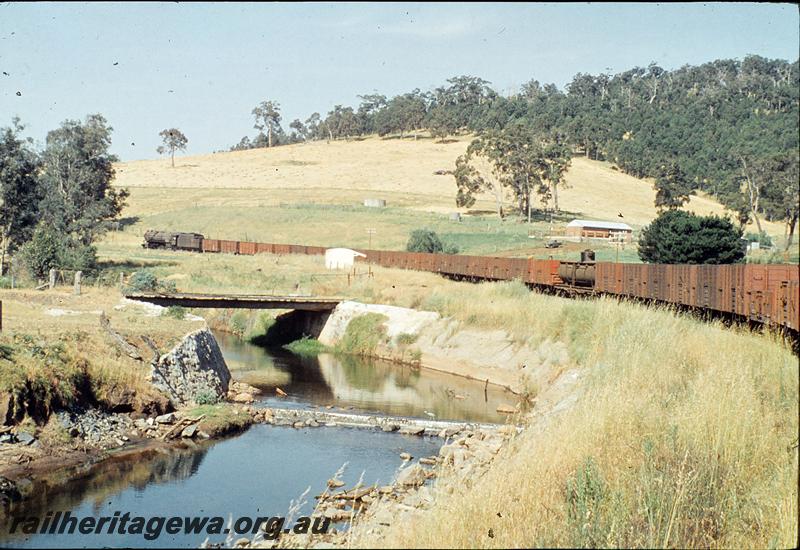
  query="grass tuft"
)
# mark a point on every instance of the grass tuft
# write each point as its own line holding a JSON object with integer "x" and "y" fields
{"x": 307, "y": 347}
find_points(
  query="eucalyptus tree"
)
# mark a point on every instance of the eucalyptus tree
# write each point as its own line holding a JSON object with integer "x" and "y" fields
{"x": 267, "y": 116}
{"x": 173, "y": 140}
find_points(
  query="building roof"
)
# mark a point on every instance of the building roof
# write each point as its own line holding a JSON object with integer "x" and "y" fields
{"x": 617, "y": 226}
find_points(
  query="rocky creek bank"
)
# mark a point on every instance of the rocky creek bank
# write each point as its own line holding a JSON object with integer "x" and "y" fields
{"x": 192, "y": 373}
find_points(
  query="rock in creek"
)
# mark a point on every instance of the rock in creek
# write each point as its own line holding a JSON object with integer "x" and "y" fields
{"x": 412, "y": 430}
{"x": 411, "y": 476}
{"x": 193, "y": 369}
{"x": 168, "y": 418}
{"x": 243, "y": 397}
{"x": 189, "y": 431}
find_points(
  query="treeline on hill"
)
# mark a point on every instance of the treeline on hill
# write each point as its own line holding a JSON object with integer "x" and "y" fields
{"x": 55, "y": 203}
{"x": 727, "y": 127}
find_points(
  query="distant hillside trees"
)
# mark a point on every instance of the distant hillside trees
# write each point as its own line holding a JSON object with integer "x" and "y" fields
{"x": 716, "y": 127}
{"x": 173, "y": 140}
{"x": 341, "y": 122}
{"x": 299, "y": 130}
{"x": 371, "y": 104}
{"x": 679, "y": 237}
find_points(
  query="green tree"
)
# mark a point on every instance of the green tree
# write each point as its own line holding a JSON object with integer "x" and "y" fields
{"x": 78, "y": 199}
{"x": 426, "y": 240}
{"x": 475, "y": 173}
{"x": 48, "y": 249}
{"x": 341, "y": 122}
{"x": 774, "y": 182}
{"x": 312, "y": 124}
{"x": 678, "y": 237}
{"x": 672, "y": 186}
{"x": 174, "y": 140}
{"x": 300, "y": 129}
{"x": 518, "y": 160}
{"x": 442, "y": 122}
{"x": 268, "y": 117}
{"x": 19, "y": 190}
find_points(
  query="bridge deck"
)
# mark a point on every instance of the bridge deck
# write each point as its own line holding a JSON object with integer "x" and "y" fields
{"x": 237, "y": 301}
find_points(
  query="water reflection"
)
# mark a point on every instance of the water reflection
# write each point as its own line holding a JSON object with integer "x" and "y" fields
{"x": 255, "y": 474}
{"x": 366, "y": 384}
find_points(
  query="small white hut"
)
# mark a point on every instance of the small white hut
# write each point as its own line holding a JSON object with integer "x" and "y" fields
{"x": 341, "y": 258}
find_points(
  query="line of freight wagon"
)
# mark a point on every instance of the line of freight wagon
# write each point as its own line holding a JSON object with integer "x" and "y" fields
{"x": 768, "y": 294}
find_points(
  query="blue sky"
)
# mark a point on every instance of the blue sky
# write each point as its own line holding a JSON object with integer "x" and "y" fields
{"x": 203, "y": 67}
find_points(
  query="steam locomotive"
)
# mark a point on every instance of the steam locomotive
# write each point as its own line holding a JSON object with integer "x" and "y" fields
{"x": 173, "y": 240}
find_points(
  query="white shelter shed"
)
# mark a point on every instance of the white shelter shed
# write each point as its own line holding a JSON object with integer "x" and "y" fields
{"x": 341, "y": 258}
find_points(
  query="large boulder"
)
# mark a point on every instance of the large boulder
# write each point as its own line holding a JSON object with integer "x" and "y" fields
{"x": 193, "y": 369}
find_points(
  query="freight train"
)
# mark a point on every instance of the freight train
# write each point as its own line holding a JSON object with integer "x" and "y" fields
{"x": 768, "y": 294}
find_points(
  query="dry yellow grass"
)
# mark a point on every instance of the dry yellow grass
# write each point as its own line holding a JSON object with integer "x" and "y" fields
{"x": 685, "y": 435}
{"x": 401, "y": 171}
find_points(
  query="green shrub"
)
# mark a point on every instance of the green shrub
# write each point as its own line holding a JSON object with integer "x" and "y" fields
{"x": 143, "y": 281}
{"x": 178, "y": 312}
{"x": 48, "y": 249}
{"x": 363, "y": 334}
{"x": 426, "y": 240}
{"x": 764, "y": 240}
{"x": 206, "y": 397}
{"x": 238, "y": 323}
{"x": 306, "y": 346}
{"x": 406, "y": 339}
{"x": 678, "y": 237}
{"x": 40, "y": 254}
{"x": 146, "y": 281}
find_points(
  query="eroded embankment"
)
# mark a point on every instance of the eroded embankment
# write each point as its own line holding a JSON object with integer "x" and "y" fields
{"x": 56, "y": 425}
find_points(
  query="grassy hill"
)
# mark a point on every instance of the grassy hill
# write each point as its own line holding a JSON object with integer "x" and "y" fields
{"x": 313, "y": 193}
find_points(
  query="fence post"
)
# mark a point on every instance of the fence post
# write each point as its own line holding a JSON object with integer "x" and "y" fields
{"x": 121, "y": 280}
{"x": 52, "y": 282}
{"x": 78, "y": 275}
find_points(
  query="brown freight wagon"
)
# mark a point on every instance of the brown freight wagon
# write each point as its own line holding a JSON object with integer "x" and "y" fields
{"x": 210, "y": 245}
{"x": 543, "y": 272}
{"x": 246, "y": 247}
{"x": 267, "y": 248}
{"x": 229, "y": 247}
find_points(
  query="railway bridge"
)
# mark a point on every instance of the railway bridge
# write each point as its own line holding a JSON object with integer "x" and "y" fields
{"x": 238, "y": 301}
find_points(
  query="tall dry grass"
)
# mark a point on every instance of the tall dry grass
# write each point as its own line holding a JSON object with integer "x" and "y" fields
{"x": 685, "y": 436}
